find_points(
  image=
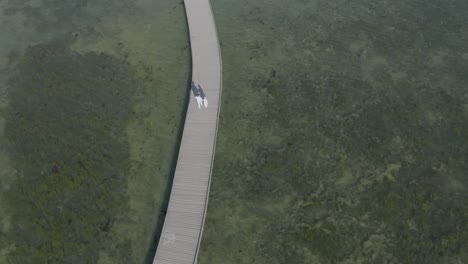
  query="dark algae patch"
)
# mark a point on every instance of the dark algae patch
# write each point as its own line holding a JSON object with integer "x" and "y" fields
{"x": 343, "y": 133}
{"x": 91, "y": 101}
{"x": 66, "y": 133}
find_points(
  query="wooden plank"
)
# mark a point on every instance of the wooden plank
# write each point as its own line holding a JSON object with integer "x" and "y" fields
{"x": 183, "y": 225}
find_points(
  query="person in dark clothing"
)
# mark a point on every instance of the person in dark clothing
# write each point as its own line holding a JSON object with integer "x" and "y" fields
{"x": 195, "y": 89}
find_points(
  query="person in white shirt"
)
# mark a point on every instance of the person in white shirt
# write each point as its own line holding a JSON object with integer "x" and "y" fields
{"x": 199, "y": 95}
{"x": 203, "y": 97}
{"x": 199, "y": 101}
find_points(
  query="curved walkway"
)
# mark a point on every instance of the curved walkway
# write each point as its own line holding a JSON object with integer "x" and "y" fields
{"x": 183, "y": 225}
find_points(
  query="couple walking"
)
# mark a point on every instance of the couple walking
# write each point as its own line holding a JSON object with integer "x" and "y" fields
{"x": 199, "y": 95}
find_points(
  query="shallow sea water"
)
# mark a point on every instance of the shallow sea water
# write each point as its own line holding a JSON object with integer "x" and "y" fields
{"x": 343, "y": 133}
{"x": 91, "y": 99}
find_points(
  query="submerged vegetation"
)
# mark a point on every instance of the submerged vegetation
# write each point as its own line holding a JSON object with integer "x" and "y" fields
{"x": 343, "y": 133}
{"x": 66, "y": 136}
{"x": 91, "y": 102}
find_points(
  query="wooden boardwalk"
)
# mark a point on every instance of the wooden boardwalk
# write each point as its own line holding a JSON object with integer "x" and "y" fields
{"x": 183, "y": 225}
